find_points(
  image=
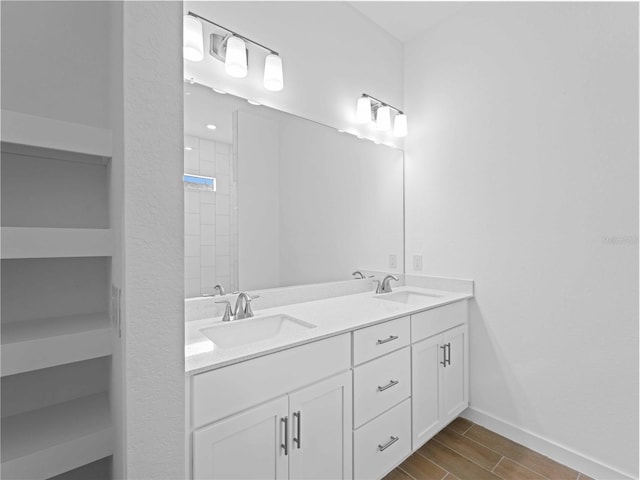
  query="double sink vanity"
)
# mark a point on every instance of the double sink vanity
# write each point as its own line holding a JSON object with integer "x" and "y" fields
{"x": 335, "y": 388}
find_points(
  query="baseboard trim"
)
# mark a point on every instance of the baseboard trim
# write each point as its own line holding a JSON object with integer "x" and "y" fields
{"x": 557, "y": 452}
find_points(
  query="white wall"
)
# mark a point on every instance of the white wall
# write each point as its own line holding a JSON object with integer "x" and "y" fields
{"x": 522, "y": 165}
{"x": 331, "y": 55}
{"x": 57, "y": 66}
{"x": 154, "y": 249}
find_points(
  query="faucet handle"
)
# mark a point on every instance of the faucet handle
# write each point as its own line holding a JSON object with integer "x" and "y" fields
{"x": 247, "y": 308}
{"x": 227, "y": 311}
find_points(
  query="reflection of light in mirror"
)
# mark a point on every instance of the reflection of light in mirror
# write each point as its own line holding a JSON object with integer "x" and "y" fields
{"x": 253, "y": 102}
{"x": 211, "y": 126}
{"x": 188, "y": 149}
{"x": 217, "y": 90}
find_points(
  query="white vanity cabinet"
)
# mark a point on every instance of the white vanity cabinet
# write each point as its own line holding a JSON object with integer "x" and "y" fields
{"x": 439, "y": 360}
{"x": 302, "y": 433}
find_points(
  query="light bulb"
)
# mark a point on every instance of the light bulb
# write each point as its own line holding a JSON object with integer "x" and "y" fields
{"x": 273, "y": 73}
{"x": 363, "y": 110}
{"x": 192, "y": 40}
{"x": 236, "y": 59}
{"x": 383, "y": 118}
{"x": 400, "y": 125}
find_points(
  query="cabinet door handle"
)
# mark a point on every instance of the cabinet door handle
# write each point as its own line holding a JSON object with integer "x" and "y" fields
{"x": 297, "y": 416}
{"x": 382, "y": 448}
{"x": 285, "y": 445}
{"x": 444, "y": 355}
{"x": 392, "y": 383}
{"x": 448, "y": 359}
{"x": 390, "y": 339}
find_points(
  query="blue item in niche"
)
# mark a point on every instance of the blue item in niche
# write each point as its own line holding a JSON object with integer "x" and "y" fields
{"x": 199, "y": 183}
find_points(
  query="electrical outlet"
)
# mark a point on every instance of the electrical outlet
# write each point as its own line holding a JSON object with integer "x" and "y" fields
{"x": 393, "y": 260}
{"x": 417, "y": 263}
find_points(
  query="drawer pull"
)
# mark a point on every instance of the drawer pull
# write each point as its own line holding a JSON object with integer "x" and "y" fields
{"x": 285, "y": 445}
{"x": 298, "y": 417}
{"x": 391, "y": 383}
{"x": 382, "y": 448}
{"x": 390, "y": 339}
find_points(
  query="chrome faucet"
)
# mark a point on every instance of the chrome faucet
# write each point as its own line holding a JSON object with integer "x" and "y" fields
{"x": 242, "y": 308}
{"x": 358, "y": 274}
{"x": 384, "y": 286}
{"x": 219, "y": 288}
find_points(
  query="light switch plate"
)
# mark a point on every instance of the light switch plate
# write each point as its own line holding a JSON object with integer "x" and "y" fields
{"x": 393, "y": 260}
{"x": 417, "y": 263}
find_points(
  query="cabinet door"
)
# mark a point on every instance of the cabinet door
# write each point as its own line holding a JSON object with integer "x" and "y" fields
{"x": 454, "y": 375}
{"x": 245, "y": 446}
{"x": 320, "y": 418}
{"x": 426, "y": 356}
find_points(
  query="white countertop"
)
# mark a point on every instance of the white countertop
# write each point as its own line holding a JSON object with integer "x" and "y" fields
{"x": 331, "y": 316}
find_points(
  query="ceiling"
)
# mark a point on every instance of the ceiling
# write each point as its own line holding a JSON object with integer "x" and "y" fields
{"x": 406, "y": 20}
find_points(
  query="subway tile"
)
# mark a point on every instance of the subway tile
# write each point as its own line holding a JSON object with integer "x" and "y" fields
{"x": 192, "y": 267}
{"x": 192, "y": 245}
{"x": 207, "y": 150}
{"x": 208, "y": 235}
{"x": 223, "y": 244}
{"x": 207, "y": 278}
{"x": 222, "y": 165}
{"x": 223, "y": 184}
{"x": 222, "y": 148}
{"x": 224, "y": 281}
{"x": 222, "y": 224}
{"x": 223, "y": 266}
{"x": 207, "y": 169}
{"x": 208, "y": 255}
{"x": 191, "y": 201}
{"x": 222, "y": 205}
{"x": 208, "y": 214}
{"x": 191, "y": 161}
{"x": 192, "y": 287}
{"x": 191, "y": 224}
{"x": 207, "y": 197}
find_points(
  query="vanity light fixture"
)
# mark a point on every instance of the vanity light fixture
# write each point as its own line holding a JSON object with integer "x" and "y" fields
{"x": 231, "y": 48}
{"x": 193, "y": 42}
{"x": 370, "y": 109}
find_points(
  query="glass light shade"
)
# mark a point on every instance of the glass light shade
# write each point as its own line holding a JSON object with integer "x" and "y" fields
{"x": 192, "y": 39}
{"x": 400, "y": 125}
{"x": 273, "y": 73}
{"x": 236, "y": 60}
{"x": 383, "y": 118}
{"x": 363, "y": 110}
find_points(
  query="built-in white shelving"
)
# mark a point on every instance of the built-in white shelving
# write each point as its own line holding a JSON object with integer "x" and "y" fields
{"x": 30, "y": 242}
{"x": 46, "y": 442}
{"x": 34, "y": 344}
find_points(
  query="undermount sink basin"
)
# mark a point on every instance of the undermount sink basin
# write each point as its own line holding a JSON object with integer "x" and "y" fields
{"x": 249, "y": 330}
{"x": 409, "y": 298}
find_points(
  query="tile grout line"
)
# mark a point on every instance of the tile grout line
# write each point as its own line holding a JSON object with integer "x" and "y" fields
{"x": 460, "y": 454}
{"x": 496, "y": 465}
{"x": 406, "y": 473}
{"x": 470, "y": 427}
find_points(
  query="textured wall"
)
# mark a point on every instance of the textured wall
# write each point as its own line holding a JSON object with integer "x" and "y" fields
{"x": 153, "y": 231}
{"x": 522, "y": 174}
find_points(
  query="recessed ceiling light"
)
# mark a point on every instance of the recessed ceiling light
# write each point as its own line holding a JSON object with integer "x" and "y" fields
{"x": 217, "y": 90}
{"x": 211, "y": 126}
{"x": 253, "y": 102}
{"x": 188, "y": 149}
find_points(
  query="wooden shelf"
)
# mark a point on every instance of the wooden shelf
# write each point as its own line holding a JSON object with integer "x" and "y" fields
{"x": 28, "y": 242}
{"x": 52, "y": 440}
{"x": 35, "y": 344}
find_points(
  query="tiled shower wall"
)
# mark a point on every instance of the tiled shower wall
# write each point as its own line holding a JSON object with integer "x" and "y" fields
{"x": 210, "y": 220}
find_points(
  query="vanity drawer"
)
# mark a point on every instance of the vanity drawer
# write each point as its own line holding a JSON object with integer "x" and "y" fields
{"x": 371, "y": 342}
{"x": 219, "y": 393}
{"x": 383, "y": 443}
{"x": 381, "y": 384}
{"x": 437, "y": 320}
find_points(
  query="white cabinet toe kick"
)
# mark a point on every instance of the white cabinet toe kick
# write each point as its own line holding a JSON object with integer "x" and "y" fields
{"x": 352, "y": 406}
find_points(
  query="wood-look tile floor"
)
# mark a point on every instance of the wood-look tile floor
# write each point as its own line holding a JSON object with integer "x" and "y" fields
{"x": 466, "y": 451}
